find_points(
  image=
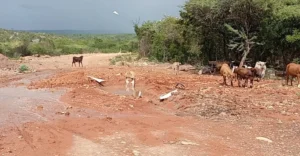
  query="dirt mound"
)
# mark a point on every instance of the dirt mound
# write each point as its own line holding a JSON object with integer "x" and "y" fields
{"x": 7, "y": 66}
{"x": 2, "y": 57}
{"x": 202, "y": 96}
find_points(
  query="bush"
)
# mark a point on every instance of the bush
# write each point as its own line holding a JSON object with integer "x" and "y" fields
{"x": 23, "y": 68}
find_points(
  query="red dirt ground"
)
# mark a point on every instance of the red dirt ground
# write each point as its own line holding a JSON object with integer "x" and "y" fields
{"x": 205, "y": 118}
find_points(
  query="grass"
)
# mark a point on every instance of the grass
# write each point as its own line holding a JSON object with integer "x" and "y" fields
{"x": 23, "y": 68}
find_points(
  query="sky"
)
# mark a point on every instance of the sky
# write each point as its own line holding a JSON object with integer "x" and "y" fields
{"x": 83, "y": 14}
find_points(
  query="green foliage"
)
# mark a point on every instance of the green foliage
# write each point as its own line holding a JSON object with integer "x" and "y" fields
{"x": 23, "y": 68}
{"x": 17, "y": 43}
{"x": 224, "y": 30}
{"x": 296, "y": 60}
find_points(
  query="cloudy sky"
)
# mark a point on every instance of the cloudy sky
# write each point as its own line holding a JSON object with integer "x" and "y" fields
{"x": 83, "y": 14}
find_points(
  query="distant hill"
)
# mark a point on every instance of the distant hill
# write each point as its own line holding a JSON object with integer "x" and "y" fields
{"x": 16, "y": 43}
{"x": 67, "y": 32}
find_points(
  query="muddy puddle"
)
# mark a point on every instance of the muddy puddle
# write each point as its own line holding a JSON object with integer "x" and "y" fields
{"x": 19, "y": 105}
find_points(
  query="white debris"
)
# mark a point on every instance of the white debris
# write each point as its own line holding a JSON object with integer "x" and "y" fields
{"x": 165, "y": 96}
{"x": 96, "y": 79}
{"x": 264, "y": 139}
{"x": 188, "y": 143}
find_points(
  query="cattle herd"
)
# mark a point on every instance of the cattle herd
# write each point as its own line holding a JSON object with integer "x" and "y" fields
{"x": 229, "y": 70}
{"x": 248, "y": 73}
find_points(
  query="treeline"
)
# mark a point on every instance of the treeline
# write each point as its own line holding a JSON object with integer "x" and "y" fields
{"x": 17, "y": 43}
{"x": 265, "y": 30}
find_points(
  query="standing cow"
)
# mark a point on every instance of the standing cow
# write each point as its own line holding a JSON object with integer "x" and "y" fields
{"x": 247, "y": 74}
{"x": 77, "y": 59}
{"x": 293, "y": 70}
{"x": 226, "y": 72}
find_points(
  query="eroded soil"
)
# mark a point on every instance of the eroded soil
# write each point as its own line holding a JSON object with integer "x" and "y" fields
{"x": 60, "y": 112}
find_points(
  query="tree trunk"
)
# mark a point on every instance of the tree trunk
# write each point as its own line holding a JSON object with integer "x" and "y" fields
{"x": 225, "y": 48}
{"x": 247, "y": 50}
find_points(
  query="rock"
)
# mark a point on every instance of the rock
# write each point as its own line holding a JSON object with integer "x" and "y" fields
{"x": 63, "y": 113}
{"x": 40, "y": 107}
{"x": 109, "y": 118}
{"x": 222, "y": 114}
{"x": 69, "y": 107}
{"x": 135, "y": 152}
{"x": 131, "y": 106}
{"x": 264, "y": 139}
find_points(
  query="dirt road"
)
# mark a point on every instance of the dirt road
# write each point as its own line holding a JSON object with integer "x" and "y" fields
{"x": 58, "y": 111}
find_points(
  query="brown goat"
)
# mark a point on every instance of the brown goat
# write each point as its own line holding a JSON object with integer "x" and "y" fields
{"x": 293, "y": 70}
{"x": 226, "y": 72}
{"x": 247, "y": 74}
{"x": 77, "y": 59}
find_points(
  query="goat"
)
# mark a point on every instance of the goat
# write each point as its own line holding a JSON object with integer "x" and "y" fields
{"x": 261, "y": 65}
{"x": 175, "y": 67}
{"x": 77, "y": 59}
{"x": 247, "y": 74}
{"x": 226, "y": 72}
{"x": 130, "y": 76}
{"x": 293, "y": 70}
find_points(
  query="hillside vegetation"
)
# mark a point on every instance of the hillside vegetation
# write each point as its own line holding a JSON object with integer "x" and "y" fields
{"x": 21, "y": 43}
{"x": 266, "y": 30}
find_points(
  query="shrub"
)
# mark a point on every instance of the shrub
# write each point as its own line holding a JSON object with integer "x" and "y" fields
{"x": 23, "y": 68}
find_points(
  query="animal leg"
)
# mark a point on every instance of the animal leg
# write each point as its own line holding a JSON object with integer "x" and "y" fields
{"x": 224, "y": 81}
{"x": 287, "y": 79}
{"x": 126, "y": 86}
{"x": 298, "y": 77}
{"x": 258, "y": 79}
{"x": 133, "y": 85}
{"x": 292, "y": 80}
{"x": 245, "y": 83}
{"x": 239, "y": 82}
{"x": 251, "y": 83}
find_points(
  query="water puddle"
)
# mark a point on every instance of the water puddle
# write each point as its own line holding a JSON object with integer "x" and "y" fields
{"x": 19, "y": 104}
{"x": 121, "y": 90}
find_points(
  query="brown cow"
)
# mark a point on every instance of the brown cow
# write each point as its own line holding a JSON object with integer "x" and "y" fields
{"x": 293, "y": 70}
{"x": 247, "y": 74}
{"x": 226, "y": 72}
{"x": 77, "y": 59}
